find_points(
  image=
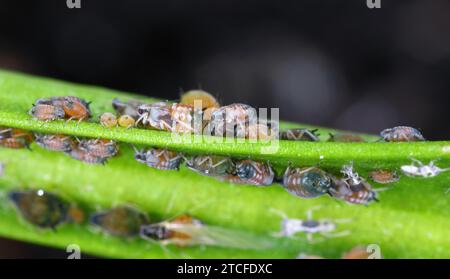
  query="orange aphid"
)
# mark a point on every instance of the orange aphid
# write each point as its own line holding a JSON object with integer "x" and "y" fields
{"x": 207, "y": 100}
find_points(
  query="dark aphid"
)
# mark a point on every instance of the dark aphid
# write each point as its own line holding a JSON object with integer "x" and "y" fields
{"x": 232, "y": 120}
{"x": 161, "y": 159}
{"x": 46, "y": 112}
{"x": 157, "y": 116}
{"x": 345, "y": 137}
{"x": 384, "y": 176}
{"x": 127, "y": 108}
{"x": 124, "y": 221}
{"x": 211, "y": 165}
{"x": 55, "y": 142}
{"x": 85, "y": 156}
{"x": 401, "y": 133}
{"x": 308, "y": 182}
{"x": 16, "y": 138}
{"x": 300, "y": 134}
{"x": 43, "y": 209}
{"x": 252, "y": 172}
{"x": 99, "y": 147}
{"x": 75, "y": 108}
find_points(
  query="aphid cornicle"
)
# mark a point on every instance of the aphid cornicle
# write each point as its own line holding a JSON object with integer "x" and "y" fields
{"x": 46, "y": 112}
{"x": 43, "y": 209}
{"x": 127, "y": 108}
{"x": 55, "y": 142}
{"x": 345, "y": 137}
{"x": 232, "y": 120}
{"x": 384, "y": 176}
{"x": 161, "y": 159}
{"x": 310, "y": 182}
{"x": 211, "y": 165}
{"x": 300, "y": 134}
{"x": 108, "y": 119}
{"x": 124, "y": 221}
{"x": 254, "y": 173}
{"x": 402, "y": 133}
{"x": 99, "y": 147}
{"x": 187, "y": 231}
{"x": 83, "y": 155}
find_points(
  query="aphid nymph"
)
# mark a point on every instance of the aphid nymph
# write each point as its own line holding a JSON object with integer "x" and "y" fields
{"x": 254, "y": 173}
{"x": 402, "y": 133}
{"x": 99, "y": 147}
{"x": 55, "y": 142}
{"x": 161, "y": 159}
{"x": 124, "y": 221}
{"x": 45, "y": 112}
{"x": 211, "y": 165}
{"x": 108, "y": 119}
{"x": 384, "y": 176}
{"x": 310, "y": 182}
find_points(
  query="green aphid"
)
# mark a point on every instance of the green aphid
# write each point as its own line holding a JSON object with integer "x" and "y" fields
{"x": 124, "y": 221}
{"x": 40, "y": 208}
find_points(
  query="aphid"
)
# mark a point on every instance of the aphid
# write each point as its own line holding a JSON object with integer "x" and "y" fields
{"x": 357, "y": 253}
{"x": 83, "y": 155}
{"x": 310, "y": 182}
{"x": 124, "y": 221}
{"x": 207, "y": 100}
{"x": 384, "y": 176}
{"x": 232, "y": 120}
{"x": 345, "y": 137}
{"x": 43, "y": 209}
{"x": 211, "y": 165}
{"x": 161, "y": 159}
{"x": 187, "y": 231}
{"x": 401, "y": 133}
{"x": 126, "y": 121}
{"x": 109, "y": 120}
{"x": 300, "y": 134}
{"x": 157, "y": 116}
{"x": 254, "y": 173}
{"x": 16, "y": 138}
{"x": 99, "y": 147}
{"x": 46, "y": 112}
{"x": 127, "y": 108}
{"x": 324, "y": 227}
{"x": 55, "y": 142}
{"x": 419, "y": 169}
{"x": 75, "y": 108}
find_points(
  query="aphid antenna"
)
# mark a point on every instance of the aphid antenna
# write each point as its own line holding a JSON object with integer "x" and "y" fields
{"x": 135, "y": 149}
{"x": 380, "y": 139}
{"x": 279, "y": 212}
{"x": 309, "y": 213}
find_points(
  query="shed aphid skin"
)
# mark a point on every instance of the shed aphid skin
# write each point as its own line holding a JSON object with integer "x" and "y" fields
{"x": 309, "y": 182}
{"x": 345, "y": 137}
{"x": 55, "y": 142}
{"x": 402, "y": 133}
{"x": 126, "y": 121}
{"x": 186, "y": 231}
{"x": 129, "y": 107}
{"x": 211, "y": 165}
{"x": 85, "y": 156}
{"x": 108, "y": 120}
{"x": 384, "y": 176}
{"x": 232, "y": 120}
{"x": 207, "y": 100}
{"x": 253, "y": 173}
{"x": 40, "y": 208}
{"x": 15, "y": 138}
{"x": 300, "y": 134}
{"x": 161, "y": 159}
{"x": 324, "y": 227}
{"x": 99, "y": 147}
{"x": 123, "y": 221}
{"x": 418, "y": 169}
{"x": 44, "y": 112}
{"x": 157, "y": 116}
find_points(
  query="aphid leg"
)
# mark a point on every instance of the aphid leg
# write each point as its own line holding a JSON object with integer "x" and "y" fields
{"x": 417, "y": 162}
{"x": 142, "y": 118}
{"x": 255, "y": 165}
{"x": 164, "y": 124}
{"x": 218, "y": 163}
{"x": 70, "y": 118}
{"x": 309, "y": 213}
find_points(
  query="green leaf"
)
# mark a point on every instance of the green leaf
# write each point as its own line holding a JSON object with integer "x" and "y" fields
{"x": 410, "y": 221}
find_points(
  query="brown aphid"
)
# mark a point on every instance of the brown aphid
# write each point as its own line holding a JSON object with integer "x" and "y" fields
{"x": 357, "y": 253}
{"x": 99, "y": 147}
{"x": 55, "y": 142}
{"x": 108, "y": 119}
{"x": 85, "y": 156}
{"x": 46, "y": 112}
{"x": 345, "y": 137}
{"x": 207, "y": 100}
{"x": 75, "y": 108}
{"x": 384, "y": 176}
{"x": 123, "y": 221}
{"x": 126, "y": 121}
{"x": 15, "y": 138}
{"x": 42, "y": 209}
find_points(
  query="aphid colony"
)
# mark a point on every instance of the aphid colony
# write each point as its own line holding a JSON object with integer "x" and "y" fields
{"x": 47, "y": 211}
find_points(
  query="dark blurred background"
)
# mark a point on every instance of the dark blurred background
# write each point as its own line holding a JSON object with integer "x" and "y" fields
{"x": 331, "y": 63}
